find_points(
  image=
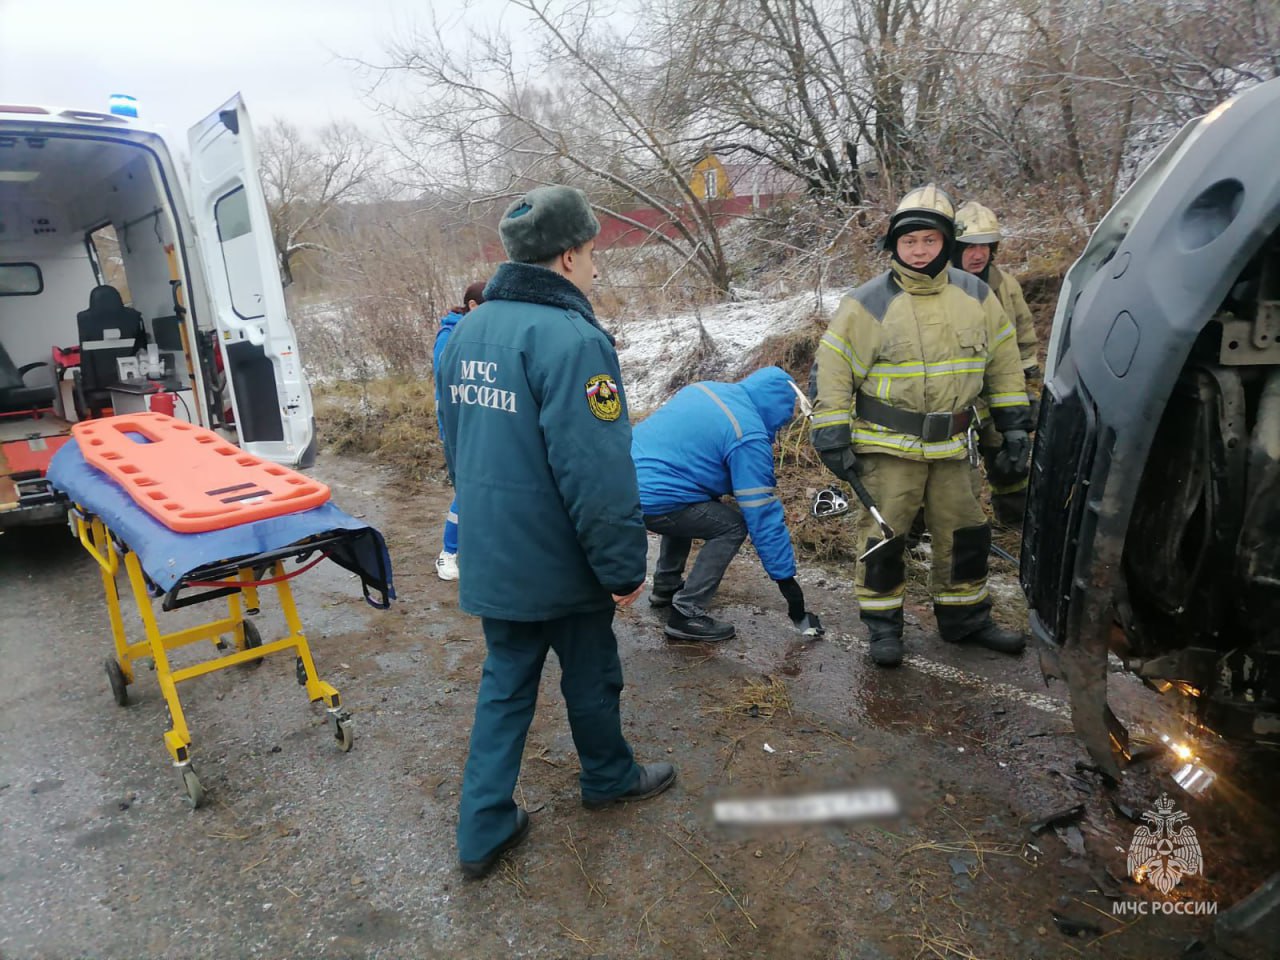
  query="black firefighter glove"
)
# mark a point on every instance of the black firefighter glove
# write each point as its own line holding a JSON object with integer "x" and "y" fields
{"x": 805, "y": 622}
{"x": 841, "y": 461}
{"x": 1014, "y": 458}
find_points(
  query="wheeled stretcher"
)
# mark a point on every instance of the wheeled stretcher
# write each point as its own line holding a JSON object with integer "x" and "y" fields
{"x": 237, "y": 564}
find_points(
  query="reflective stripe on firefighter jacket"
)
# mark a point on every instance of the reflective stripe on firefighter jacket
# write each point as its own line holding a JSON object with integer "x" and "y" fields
{"x": 1009, "y": 292}
{"x": 921, "y": 344}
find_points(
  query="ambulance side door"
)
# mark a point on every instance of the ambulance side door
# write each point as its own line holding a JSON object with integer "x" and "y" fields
{"x": 269, "y": 391}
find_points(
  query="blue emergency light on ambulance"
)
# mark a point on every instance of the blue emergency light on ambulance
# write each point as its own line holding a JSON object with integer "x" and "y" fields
{"x": 123, "y": 105}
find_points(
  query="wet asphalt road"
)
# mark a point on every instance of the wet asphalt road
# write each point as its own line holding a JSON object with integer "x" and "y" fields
{"x": 304, "y": 851}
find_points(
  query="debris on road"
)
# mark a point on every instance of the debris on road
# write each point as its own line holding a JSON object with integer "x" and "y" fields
{"x": 1058, "y": 818}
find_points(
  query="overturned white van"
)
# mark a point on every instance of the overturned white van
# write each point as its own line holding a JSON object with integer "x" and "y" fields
{"x": 117, "y": 293}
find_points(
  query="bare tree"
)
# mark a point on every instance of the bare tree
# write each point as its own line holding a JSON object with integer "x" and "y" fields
{"x": 1073, "y": 94}
{"x": 305, "y": 178}
{"x": 1057, "y": 98}
{"x": 586, "y": 105}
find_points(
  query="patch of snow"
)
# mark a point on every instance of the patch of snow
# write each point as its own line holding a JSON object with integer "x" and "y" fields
{"x": 1004, "y": 587}
{"x": 651, "y": 350}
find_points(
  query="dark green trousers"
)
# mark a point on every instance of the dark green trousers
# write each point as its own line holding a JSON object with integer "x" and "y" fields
{"x": 591, "y": 681}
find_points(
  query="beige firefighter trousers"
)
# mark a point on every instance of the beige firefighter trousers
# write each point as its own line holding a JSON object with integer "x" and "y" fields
{"x": 958, "y": 526}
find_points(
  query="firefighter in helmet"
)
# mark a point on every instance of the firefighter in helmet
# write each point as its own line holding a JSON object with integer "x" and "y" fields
{"x": 904, "y": 360}
{"x": 977, "y": 238}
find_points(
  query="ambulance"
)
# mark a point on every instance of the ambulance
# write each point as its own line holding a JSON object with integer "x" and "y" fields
{"x": 127, "y": 285}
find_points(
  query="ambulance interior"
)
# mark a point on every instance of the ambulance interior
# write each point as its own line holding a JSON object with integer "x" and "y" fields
{"x": 77, "y": 214}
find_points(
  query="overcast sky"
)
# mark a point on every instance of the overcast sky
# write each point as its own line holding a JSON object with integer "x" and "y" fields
{"x": 183, "y": 58}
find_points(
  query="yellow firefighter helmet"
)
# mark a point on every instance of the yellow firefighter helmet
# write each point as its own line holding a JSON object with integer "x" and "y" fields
{"x": 924, "y": 208}
{"x": 977, "y": 224}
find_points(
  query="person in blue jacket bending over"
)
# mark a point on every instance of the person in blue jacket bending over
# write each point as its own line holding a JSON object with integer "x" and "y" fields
{"x": 539, "y": 445}
{"x": 472, "y": 297}
{"x": 709, "y": 441}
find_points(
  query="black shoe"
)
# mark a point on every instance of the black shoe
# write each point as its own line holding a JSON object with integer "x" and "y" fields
{"x": 997, "y": 638}
{"x": 886, "y": 651}
{"x": 704, "y": 628}
{"x": 475, "y": 869}
{"x": 654, "y": 778}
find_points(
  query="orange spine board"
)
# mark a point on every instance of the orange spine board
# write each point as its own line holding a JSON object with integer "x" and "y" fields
{"x": 189, "y": 478}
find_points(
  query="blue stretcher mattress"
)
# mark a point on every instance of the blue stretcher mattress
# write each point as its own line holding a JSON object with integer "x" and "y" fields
{"x": 167, "y": 557}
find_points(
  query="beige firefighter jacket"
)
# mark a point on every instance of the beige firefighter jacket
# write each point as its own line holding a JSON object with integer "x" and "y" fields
{"x": 921, "y": 344}
{"x": 1015, "y": 305}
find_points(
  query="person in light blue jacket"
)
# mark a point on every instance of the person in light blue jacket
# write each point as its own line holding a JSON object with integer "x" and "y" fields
{"x": 709, "y": 441}
{"x": 472, "y": 297}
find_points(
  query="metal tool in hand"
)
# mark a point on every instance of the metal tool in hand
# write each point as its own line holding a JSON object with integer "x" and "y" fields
{"x": 859, "y": 489}
{"x": 886, "y": 531}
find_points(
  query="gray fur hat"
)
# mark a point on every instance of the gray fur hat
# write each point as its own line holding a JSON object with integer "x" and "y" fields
{"x": 545, "y": 222}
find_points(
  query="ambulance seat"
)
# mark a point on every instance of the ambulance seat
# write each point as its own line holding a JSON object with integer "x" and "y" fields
{"x": 15, "y": 395}
{"x": 108, "y": 331}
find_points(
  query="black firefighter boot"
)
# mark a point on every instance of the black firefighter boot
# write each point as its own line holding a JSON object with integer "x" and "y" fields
{"x": 995, "y": 637}
{"x": 971, "y": 625}
{"x": 885, "y": 629}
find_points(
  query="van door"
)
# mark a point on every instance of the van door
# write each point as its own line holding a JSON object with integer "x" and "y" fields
{"x": 269, "y": 392}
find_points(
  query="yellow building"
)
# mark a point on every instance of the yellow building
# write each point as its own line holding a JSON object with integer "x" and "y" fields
{"x": 710, "y": 180}
{"x": 713, "y": 179}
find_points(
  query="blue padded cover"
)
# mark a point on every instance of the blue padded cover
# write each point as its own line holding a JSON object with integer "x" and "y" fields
{"x": 167, "y": 556}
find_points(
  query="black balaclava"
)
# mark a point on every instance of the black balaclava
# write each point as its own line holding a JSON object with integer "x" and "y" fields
{"x": 957, "y": 259}
{"x": 922, "y": 220}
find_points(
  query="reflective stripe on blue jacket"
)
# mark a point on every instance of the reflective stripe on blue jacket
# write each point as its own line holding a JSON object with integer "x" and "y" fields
{"x": 716, "y": 439}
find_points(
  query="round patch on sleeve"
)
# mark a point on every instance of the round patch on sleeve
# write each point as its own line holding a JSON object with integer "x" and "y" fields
{"x": 603, "y": 399}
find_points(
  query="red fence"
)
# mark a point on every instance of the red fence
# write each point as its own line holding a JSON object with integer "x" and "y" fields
{"x": 615, "y": 232}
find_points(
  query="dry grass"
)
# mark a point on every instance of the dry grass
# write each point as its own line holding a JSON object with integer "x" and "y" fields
{"x": 792, "y": 351}
{"x": 393, "y": 421}
{"x": 764, "y": 697}
{"x": 800, "y": 474}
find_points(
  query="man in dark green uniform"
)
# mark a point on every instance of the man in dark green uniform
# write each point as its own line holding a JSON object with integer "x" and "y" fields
{"x": 550, "y": 530}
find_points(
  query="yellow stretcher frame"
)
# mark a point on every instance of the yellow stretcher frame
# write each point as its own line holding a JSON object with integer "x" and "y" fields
{"x": 108, "y": 552}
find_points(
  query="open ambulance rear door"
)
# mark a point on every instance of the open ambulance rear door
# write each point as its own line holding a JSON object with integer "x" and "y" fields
{"x": 269, "y": 392}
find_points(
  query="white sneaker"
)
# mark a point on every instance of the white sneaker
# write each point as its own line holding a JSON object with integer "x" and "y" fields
{"x": 447, "y": 565}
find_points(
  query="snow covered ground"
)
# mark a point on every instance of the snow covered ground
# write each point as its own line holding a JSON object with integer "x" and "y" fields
{"x": 653, "y": 349}
{"x": 719, "y": 340}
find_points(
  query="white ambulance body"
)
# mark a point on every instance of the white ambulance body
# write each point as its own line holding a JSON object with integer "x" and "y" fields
{"x": 89, "y": 199}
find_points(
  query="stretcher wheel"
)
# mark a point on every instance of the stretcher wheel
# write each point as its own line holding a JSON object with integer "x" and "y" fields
{"x": 119, "y": 689}
{"x": 344, "y": 734}
{"x": 252, "y": 638}
{"x": 195, "y": 791}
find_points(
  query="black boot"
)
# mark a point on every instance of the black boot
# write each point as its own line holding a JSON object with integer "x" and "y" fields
{"x": 886, "y": 650}
{"x": 703, "y": 628}
{"x": 885, "y": 630}
{"x": 476, "y": 869}
{"x": 997, "y": 638}
{"x": 654, "y": 778}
